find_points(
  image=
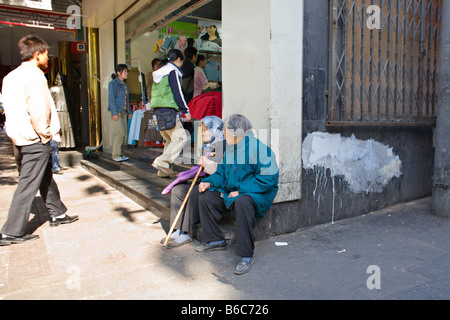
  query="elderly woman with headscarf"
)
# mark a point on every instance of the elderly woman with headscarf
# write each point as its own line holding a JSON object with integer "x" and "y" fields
{"x": 246, "y": 181}
{"x": 212, "y": 152}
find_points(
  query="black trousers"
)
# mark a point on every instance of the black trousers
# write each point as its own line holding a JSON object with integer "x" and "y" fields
{"x": 212, "y": 209}
{"x": 35, "y": 174}
{"x": 190, "y": 217}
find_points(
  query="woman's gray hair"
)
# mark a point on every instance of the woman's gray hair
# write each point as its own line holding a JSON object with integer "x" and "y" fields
{"x": 238, "y": 125}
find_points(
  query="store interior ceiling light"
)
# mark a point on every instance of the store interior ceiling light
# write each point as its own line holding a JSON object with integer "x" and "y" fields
{"x": 37, "y": 25}
{"x": 36, "y": 18}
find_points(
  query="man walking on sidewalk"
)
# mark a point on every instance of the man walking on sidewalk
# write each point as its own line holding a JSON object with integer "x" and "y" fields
{"x": 27, "y": 104}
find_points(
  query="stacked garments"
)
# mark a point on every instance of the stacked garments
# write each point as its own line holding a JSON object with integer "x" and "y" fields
{"x": 206, "y": 104}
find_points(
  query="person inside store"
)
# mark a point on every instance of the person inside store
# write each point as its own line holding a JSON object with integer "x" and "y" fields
{"x": 212, "y": 151}
{"x": 190, "y": 55}
{"x": 118, "y": 106}
{"x": 167, "y": 101}
{"x": 201, "y": 83}
{"x": 155, "y": 66}
{"x": 246, "y": 182}
{"x": 31, "y": 123}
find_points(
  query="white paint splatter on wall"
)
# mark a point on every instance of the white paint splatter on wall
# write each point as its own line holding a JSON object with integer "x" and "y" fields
{"x": 366, "y": 165}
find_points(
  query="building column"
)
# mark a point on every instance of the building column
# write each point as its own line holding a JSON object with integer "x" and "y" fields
{"x": 441, "y": 183}
{"x": 262, "y": 63}
{"x": 94, "y": 105}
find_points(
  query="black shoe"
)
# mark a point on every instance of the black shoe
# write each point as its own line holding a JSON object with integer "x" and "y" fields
{"x": 244, "y": 266}
{"x": 7, "y": 240}
{"x": 67, "y": 219}
{"x": 207, "y": 247}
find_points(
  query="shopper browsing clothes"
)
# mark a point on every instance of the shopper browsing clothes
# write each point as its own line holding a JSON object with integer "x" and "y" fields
{"x": 246, "y": 181}
{"x": 213, "y": 148}
{"x": 167, "y": 101}
{"x": 155, "y": 66}
{"x": 201, "y": 83}
{"x": 27, "y": 103}
{"x": 118, "y": 106}
{"x": 187, "y": 82}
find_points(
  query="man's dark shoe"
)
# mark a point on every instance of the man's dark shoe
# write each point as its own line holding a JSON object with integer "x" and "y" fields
{"x": 17, "y": 240}
{"x": 67, "y": 219}
{"x": 244, "y": 266}
{"x": 208, "y": 247}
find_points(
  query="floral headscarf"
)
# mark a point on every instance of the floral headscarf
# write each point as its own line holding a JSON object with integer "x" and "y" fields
{"x": 215, "y": 127}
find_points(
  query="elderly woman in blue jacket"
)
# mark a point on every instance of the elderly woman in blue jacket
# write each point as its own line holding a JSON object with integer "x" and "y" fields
{"x": 246, "y": 181}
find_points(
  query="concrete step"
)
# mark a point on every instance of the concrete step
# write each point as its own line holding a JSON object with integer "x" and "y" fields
{"x": 135, "y": 179}
{"x": 149, "y": 155}
{"x": 70, "y": 158}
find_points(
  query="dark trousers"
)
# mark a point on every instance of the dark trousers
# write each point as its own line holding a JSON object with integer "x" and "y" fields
{"x": 212, "y": 209}
{"x": 35, "y": 174}
{"x": 190, "y": 217}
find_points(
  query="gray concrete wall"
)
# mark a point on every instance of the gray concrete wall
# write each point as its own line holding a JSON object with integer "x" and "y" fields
{"x": 326, "y": 198}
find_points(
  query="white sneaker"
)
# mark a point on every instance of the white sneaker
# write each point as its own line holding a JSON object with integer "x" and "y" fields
{"x": 121, "y": 158}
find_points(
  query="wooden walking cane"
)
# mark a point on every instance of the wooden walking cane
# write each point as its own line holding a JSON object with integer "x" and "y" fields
{"x": 182, "y": 206}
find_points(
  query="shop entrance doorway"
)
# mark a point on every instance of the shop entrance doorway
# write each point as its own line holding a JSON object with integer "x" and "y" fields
{"x": 194, "y": 30}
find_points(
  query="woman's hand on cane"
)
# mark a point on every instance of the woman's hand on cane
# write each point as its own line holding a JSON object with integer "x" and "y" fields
{"x": 204, "y": 161}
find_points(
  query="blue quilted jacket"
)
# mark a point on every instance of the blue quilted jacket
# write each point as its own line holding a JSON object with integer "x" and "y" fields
{"x": 248, "y": 167}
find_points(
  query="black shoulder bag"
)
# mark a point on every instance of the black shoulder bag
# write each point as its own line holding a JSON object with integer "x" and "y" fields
{"x": 166, "y": 118}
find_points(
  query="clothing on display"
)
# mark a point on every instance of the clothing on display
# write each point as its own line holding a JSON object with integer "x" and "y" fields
{"x": 168, "y": 41}
{"x": 142, "y": 128}
{"x": 135, "y": 126}
{"x": 149, "y": 135}
{"x": 137, "y": 89}
{"x": 210, "y": 46}
{"x": 158, "y": 45}
{"x": 206, "y": 104}
{"x": 59, "y": 97}
{"x": 213, "y": 71}
{"x": 182, "y": 44}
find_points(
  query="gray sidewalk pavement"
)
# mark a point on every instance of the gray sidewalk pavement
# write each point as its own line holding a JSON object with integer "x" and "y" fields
{"x": 113, "y": 252}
